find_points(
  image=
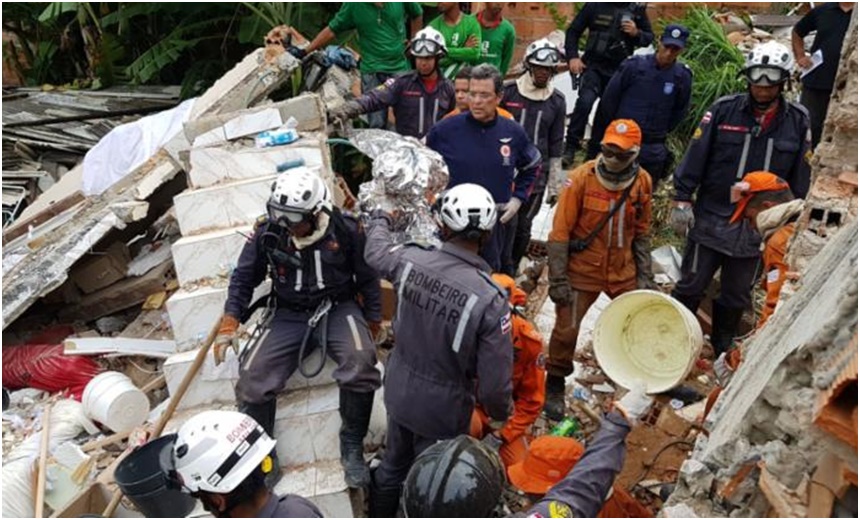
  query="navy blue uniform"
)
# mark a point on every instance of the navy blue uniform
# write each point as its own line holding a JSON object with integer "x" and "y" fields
{"x": 333, "y": 267}
{"x": 543, "y": 121}
{"x": 289, "y": 506}
{"x": 605, "y": 49}
{"x": 415, "y": 109}
{"x": 729, "y": 143}
{"x": 497, "y": 155}
{"x": 657, "y": 99}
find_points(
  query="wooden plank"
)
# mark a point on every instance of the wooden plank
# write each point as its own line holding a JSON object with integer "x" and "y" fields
{"x": 121, "y": 295}
{"x": 21, "y": 227}
{"x": 784, "y": 502}
{"x": 125, "y": 346}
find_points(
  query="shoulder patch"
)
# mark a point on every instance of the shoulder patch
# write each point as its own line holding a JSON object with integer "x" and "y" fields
{"x": 260, "y": 222}
{"x": 505, "y": 323}
{"x": 559, "y": 510}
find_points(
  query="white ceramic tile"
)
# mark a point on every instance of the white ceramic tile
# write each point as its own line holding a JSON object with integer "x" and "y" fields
{"x": 222, "y": 164}
{"x": 323, "y": 378}
{"x": 222, "y": 206}
{"x": 292, "y": 404}
{"x": 334, "y": 505}
{"x": 294, "y": 437}
{"x": 329, "y": 478}
{"x": 202, "y": 391}
{"x": 325, "y": 438}
{"x": 297, "y": 481}
{"x": 323, "y": 398}
{"x": 193, "y": 313}
{"x": 209, "y": 255}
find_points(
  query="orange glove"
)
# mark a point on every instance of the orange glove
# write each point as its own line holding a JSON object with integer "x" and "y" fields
{"x": 227, "y": 337}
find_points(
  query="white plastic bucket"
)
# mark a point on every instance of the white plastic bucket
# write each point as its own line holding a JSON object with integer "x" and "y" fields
{"x": 648, "y": 336}
{"x": 112, "y": 399}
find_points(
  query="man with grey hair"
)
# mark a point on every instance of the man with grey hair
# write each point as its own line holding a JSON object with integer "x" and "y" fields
{"x": 494, "y": 152}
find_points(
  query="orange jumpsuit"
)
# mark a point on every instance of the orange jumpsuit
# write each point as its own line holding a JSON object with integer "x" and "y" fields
{"x": 774, "y": 268}
{"x": 529, "y": 392}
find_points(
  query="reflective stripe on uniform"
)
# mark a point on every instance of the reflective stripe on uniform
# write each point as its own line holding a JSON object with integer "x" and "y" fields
{"x": 464, "y": 320}
{"x": 318, "y": 266}
{"x": 356, "y": 338}
{"x": 403, "y": 277}
{"x": 298, "y": 279}
{"x": 421, "y": 115}
{"x": 768, "y": 154}
{"x": 744, "y": 154}
{"x": 537, "y": 127}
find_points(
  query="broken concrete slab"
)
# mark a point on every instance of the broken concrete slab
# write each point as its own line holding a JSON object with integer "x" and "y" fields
{"x": 221, "y": 164}
{"x": 222, "y": 206}
{"x": 209, "y": 255}
{"x": 307, "y": 109}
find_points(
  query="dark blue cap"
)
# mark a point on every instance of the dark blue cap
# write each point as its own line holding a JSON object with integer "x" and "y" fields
{"x": 675, "y": 34}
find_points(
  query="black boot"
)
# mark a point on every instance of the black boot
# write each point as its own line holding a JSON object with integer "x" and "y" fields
{"x": 355, "y": 411}
{"x": 554, "y": 408}
{"x": 724, "y": 329}
{"x": 569, "y": 154}
{"x": 264, "y": 414}
{"x": 383, "y": 501}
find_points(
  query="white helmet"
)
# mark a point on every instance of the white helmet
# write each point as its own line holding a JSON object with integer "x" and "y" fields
{"x": 427, "y": 43}
{"x": 298, "y": 194}
{"x": 215, "y": 451}
{"x": 768, "y": 63}
{"x": 543, "y": 53}
{"x": 468, "y": 207}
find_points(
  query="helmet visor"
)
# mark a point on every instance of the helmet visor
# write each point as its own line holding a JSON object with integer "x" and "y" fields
{"x": 545, "y": 56}
{"x": 766, "y": 76}
{"x": 287, "y": 216}
{"x": 424, "y": 48}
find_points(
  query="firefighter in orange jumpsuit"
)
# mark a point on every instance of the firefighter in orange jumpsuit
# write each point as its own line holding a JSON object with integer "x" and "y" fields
{"x": 766, "y": 202}
{"x": 512, "y": 439}
{"x": 599, "y": 243}
{"x": 549, "y": 459}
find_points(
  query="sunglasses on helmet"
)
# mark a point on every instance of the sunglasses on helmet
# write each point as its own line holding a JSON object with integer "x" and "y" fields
{"x": 766, "y": 76}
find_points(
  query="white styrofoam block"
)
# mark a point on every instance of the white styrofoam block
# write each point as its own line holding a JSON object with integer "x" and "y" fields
{"x": 222, "y": 206}
{"x": 209, "y": 255}
{"x": 218, "y": 165}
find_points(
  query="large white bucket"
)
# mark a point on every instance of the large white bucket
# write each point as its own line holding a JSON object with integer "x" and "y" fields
{"x": 112, "y": 399}
{"x": 648, "y": 336}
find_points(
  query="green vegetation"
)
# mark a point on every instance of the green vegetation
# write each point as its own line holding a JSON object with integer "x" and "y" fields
{"x": 98, "y": 44}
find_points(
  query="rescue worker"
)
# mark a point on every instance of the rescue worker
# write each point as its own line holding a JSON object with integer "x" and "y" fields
{"x": 598, "y": 243}
{"x": 540, "y": 109}
{"x": 498, "y": 37}
{"x": 512, "y": 440}
{"x": 654, "y": 91}
{"x": 756, "y": 130}
{"x": 615, "y": 29}
{"x": 549, "y": 459}
{"x": 462, "y": 34}
{"x": 493, "y": 152}
{"x": 461, "y": 478}
{"x": 461, "y": 95}
{"x": 419, "y": 98}
{"x": 222, "y": 458}
{"x": 766, "y": 202}
{"x": 314, "y": 257}
{"x": 381, "y": 31}
{"x": 452, "y": 336}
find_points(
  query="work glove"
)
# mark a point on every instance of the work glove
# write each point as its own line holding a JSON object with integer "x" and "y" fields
{"x": 682, "y": 219}
{"x": 642, "y": 257}
{"x": 492, "y": 442}
{"x": 345, "y": 112}
{"x": 723, "y": 370}
{"x": 228, "y": 337}
{"x": 509, "y": 210}
{"x": 635, "y": 403}
{"x": 559, "y": 286}
{"x": 375, "y": 327}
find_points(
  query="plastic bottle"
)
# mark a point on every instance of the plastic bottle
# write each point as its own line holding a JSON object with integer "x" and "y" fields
{"x": 276, "y": 137}
{"x": 568, "y": 427}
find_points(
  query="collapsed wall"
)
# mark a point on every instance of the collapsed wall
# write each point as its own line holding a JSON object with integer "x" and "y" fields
{"x": 789, "y": 415}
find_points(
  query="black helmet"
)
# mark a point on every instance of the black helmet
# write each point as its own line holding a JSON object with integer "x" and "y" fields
{"x": 454, "y": 478}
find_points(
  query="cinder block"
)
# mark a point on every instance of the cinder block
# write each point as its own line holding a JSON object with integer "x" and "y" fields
{"x": 209, "y": 255}
{"x": 221, "y": 164}
{"x": 222, "y": 206}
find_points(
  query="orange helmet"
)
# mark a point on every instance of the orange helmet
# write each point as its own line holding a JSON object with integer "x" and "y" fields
{"x": 516, "y": 295}
{"x": 751, "y": 184}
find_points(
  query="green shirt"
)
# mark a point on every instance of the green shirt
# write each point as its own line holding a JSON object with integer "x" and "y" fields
{"x": 497, "y": 47}
{"x": 455, "y": 40}
{"x": 381, "y": 32}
